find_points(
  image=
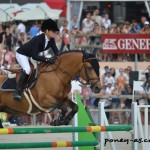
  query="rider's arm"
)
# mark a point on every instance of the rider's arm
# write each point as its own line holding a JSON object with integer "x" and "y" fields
{"x": 36, "y": 56}
{"x": 39, "y": 58}
{"x": 53, "y": 46}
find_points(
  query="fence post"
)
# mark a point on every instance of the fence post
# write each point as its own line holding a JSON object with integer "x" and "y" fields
{"x": 134, "y": 124}
{"x": 101, "y": 122}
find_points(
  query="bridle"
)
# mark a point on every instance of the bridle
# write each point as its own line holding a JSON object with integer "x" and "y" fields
{"x": 87, "y": 76}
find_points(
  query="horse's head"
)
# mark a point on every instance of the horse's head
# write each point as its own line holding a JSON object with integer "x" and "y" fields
{"x": 90, "y": 72}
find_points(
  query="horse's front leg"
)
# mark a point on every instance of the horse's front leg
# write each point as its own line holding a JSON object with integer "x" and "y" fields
{"x": 59, "y": 121}
{"x": 66, "y": 115}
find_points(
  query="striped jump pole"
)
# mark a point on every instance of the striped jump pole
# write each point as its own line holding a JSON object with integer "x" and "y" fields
{"x": 65, "y": 129}
{"x": 47, "y": 144}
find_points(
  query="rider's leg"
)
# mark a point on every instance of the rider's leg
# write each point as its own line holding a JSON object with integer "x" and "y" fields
{"x": 24, "y": 63}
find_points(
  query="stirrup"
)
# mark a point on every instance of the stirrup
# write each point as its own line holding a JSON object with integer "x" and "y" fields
{"x": 17, "y": 97}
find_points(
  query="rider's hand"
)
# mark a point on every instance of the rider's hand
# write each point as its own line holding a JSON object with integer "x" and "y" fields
{"x": 51, "y": 60}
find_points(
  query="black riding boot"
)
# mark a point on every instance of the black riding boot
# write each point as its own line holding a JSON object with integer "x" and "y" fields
{"x": 20, "y": 86}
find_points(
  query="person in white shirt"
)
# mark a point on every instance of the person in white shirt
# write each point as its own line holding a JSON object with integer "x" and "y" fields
{"x": 87, "y": 24}
{"x": 106, "y": 21}
{"x": 97, "y": 18}
{"x": 21, "y": 28}
{"x": 109, "y": 79}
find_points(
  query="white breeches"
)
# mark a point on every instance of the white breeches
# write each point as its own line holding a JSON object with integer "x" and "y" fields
{"x": 24, "y": 62}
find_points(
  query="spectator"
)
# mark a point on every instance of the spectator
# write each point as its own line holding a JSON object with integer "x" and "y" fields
{"x": 127, "y": 75}
{"x": 109, "y": 79}
{"x": 147, "y": 90}
{"x": 146, "y": 72}
{"x": 121, "y": 79}
{"x": 106, "y": 21}
{"x": 8, "y": 55}
{"x": 87, "y": 24}
{"x": 97, "y": 18}
{"x": 103, "y": 30}
{"x": 107, "y": 101}
{"x": 9, "y": 40}
{"x": 65, "y": 37}
{"x": 126, "y": 102}
{"x": 14, "y": 64}
{"x": 135, "y": 27}
{"x": 106, "y": 56}
{"x": 113, "y": 28}
{"x": 23, "y": 38}
{"x": 21, "y": 28}
{"x": 74, "y": 25}
{"x": 116, "y": 103}
{"x": 96, "y": 40}
{"x": 146, "y": 28}
{"x": 143, "y": 19}
{"x": 113, "y": 72}
{"x": 2, "y": 36}
{"x": 106, "y": 68}
{"x": 126, "y": 27}
{"x": 119, "y": 28}
{"x": 34, "y": 30}
{"x": 4, "y": 67}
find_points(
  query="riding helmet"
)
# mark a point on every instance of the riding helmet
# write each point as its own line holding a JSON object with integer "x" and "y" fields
{"x": 49, "y": 24}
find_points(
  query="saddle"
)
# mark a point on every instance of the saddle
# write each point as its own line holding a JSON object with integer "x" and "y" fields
{"x": 9, "y": 83}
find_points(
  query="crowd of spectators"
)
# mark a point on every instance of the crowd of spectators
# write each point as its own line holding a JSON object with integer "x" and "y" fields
{"x": 101, "y": 24}
{"x": 116, "y": 83}
{"x": 14, "y": 35}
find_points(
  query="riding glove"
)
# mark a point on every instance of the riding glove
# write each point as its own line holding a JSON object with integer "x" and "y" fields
{"x": 50, "y": 60}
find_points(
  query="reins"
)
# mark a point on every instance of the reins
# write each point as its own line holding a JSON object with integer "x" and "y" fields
{"x": 68, "y": 74}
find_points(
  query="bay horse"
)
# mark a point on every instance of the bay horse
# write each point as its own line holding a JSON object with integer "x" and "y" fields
{"x": 53, "y": 85}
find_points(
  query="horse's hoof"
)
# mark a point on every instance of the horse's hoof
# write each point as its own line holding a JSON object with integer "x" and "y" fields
{"x": 52, "y": 123}
{"x": 56, "y": 123}
{"x": 1, "y": 126}
{"x": 66, "y": 122}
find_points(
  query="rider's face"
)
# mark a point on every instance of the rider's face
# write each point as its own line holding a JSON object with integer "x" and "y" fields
{"x": 50, "y": 33}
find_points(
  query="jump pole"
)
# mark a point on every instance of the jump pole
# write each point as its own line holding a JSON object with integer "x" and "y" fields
{"x": 65, "y": 129}
{"x": 47, "y": 144}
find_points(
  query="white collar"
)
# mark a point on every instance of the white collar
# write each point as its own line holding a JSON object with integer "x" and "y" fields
{"x": 46, "y": 39}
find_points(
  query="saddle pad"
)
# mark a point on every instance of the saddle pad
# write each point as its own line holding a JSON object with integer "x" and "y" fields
{"x": 9, "y": 84}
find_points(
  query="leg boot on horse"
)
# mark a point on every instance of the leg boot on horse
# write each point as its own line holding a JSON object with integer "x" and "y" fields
{"x": 20, "y": 86}
{"x": 1, "y": 125}
{"x": 65, "y": 117}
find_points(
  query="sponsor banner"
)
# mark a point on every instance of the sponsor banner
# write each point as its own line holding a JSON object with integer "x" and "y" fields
{"x": 126, "y": 43}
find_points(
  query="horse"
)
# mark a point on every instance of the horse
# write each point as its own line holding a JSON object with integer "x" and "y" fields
{"x": 53, "y": 84}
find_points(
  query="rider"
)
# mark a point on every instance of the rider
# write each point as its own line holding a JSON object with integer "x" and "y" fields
{"x": 32, "y": 48}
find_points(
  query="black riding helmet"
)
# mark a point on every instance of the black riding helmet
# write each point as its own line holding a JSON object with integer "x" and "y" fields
{"x": 49, "y": 24}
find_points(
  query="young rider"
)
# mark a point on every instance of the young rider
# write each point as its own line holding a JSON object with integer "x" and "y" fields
{"x": 32, "y": 49}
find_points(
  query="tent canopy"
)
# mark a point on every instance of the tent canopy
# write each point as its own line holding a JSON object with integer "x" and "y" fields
{"x": 37, "y": 11}
{"x": 6, "y": 11}
{"x": 30, "y": 11}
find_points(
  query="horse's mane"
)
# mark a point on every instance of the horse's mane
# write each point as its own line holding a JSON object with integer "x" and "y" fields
{"x": 72, "y": 51}
{"x": 93, "y": 62}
